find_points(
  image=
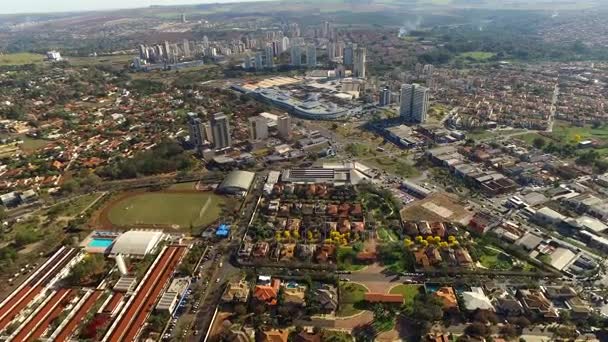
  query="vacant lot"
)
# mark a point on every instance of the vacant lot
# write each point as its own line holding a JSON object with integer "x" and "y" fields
{"x": 478, "y": 56}
{"x": 172, "y": 209}
{"x": 20, "y": 58}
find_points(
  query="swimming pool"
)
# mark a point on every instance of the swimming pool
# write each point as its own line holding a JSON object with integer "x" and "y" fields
{"x": 100, "y": 243}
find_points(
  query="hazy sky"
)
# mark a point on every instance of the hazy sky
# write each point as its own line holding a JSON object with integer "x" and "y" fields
{"x": 42, "y": 6}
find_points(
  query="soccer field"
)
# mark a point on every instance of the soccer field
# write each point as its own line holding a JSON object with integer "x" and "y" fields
{"x": 177, "y": 210}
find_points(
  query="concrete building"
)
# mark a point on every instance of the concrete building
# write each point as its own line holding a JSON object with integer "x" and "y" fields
{"x": 259, "y": 58}
{"x": 269, "y": 55}
{"x": 359, "y": 62}
{"x": 385, "y": 97}
{"x": 197, "y": 131}
{"x": 186, "y": 48}
{"x": 284, "y": 126}
{"x": 258, "y": 128}
{"x": 296, "y": 56}
{"x": 349, "y": 54}
{"x": 311, "y": 56}
{"x": 414, "y": 103}
{"x": 220, "y": 128}
{"x": 284, "y": 44}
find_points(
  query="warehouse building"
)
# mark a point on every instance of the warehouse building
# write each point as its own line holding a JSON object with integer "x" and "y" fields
{"x": 237, "y": 183}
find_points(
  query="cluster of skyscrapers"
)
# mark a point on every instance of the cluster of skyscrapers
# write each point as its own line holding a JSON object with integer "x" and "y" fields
{"x": 355, "y": 58}
{"x": 214, "y": 133}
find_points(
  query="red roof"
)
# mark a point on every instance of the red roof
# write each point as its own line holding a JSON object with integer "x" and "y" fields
{"x": 383, "y": 298}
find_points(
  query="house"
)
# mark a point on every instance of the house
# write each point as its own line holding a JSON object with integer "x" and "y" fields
{"x": 366, "y": 257}
{"x": 437, "y": 337}
{"x": 559, "y": 292}
{"x": 535, "y": 303}
{"x": 508, "y": 305}
{"x": 307, "y": 337}
{"x": 246, "y": 249}
{"x": 447, "y": 296}
{"x": 236, "y": 291}
{"x": 287, "y": 251}
{"x": 411, "y": 228}
{"x": 267, "y": 293}
{"x": 327, "y": 297}
{"x": 373, "y": 297}
{"x": 278, "y": 335}
{"x": 476, "y": 299}
{"x": 463, "y": 258}
{"x": 260, "y": 249}
{"x": 305, "y": 251}
{"x": 579, "y": 309}
{"x": 326, "y": 253}
{"x": 481, "y": 222}
{"x": 438, "y": 229}
{"x": 293, "y": 293}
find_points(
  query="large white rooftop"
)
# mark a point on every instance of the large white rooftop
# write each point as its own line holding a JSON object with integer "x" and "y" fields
{"x": 136, "y": 242}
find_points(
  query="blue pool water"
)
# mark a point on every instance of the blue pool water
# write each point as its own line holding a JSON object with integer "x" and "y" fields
{"x": 100, "y": 243}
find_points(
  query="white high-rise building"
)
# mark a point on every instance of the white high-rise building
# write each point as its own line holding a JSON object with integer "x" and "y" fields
{"x": 284, "y": 126}
{"x": 359, "y": 62}
{"x": 186, "y": 48}
{"x": 196, "y": 130}
{"x": 296, "y": 56}
{"x": 220, "y": 128}
{"x": 414, "y": 103}
{"x": 284, "y": 44}
{"x": 311, "y": 56}
{"x": 258, "y": 128}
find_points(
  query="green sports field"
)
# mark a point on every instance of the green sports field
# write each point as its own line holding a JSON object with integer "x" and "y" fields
{"x": 177, "y": 210}
{"x": 20, "y": 58}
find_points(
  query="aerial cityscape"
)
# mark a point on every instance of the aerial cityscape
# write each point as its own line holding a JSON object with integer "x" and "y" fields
{"x": 305, "y": 171}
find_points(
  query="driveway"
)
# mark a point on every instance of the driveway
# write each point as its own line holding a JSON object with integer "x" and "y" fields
{"x": 374, "y": 279}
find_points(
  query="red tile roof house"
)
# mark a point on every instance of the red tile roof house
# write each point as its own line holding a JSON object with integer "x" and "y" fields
{"x": 267, "y": 293}
{"x": 373, "y": 297}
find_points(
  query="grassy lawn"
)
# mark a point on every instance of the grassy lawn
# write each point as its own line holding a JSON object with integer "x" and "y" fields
{"x": 345, "y": 256}
{"x": 183, "y": 186}
{"x": 408, "y": 291}
{"x": 564, "y": 133}
{"x": 175, "y": 209}
{"x": 394, "y": 166}
{"x": 20, "y": 58}
{"x": 483, "y": 134}
{"x": 116, "y": 61}
{"x": 351, "y": 295}
{"x": 479, "y": 56}
{"x": 386, "y": 234}
{"x": 31, "y": 144}
{"x": 76, "y": 206}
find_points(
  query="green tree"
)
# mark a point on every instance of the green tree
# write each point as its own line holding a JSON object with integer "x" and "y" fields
{"x": 538, "y": 142}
